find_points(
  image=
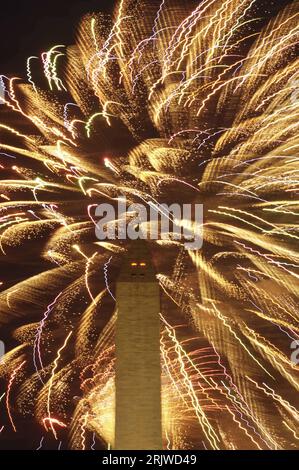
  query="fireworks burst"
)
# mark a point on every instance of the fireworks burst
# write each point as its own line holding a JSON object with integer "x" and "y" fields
{"x": 165, "y": 101}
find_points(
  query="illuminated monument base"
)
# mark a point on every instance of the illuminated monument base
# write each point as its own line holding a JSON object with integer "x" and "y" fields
{"x": 138, "y": 370}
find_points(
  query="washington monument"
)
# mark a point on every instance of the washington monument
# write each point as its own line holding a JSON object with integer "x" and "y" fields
{"x": 138, "y": 369}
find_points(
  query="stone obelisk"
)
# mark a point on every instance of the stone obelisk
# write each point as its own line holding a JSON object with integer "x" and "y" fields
{"x": 138, "y": 369}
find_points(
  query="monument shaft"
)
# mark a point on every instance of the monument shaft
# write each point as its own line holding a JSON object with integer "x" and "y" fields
{"x": 138, "y": 369}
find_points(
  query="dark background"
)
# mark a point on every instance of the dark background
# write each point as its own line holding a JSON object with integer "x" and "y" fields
{"x": 29, "y": 27}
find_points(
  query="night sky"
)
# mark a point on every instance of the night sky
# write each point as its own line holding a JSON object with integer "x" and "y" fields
{"x": 31, "y": 27}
